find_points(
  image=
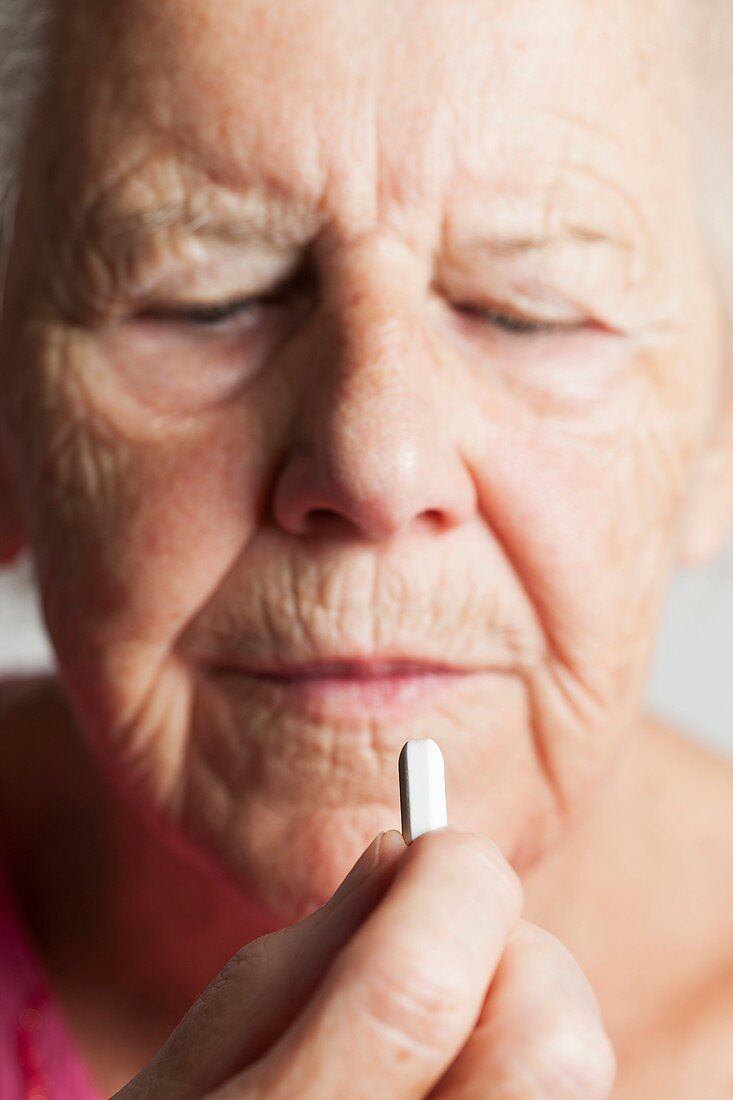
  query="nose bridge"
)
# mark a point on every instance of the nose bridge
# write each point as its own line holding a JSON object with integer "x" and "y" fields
{"x": 373, "y": 348}
{"x": 378, "y": 418}
{"x": 375, "y": 353}
{"x": 370, "y": 441}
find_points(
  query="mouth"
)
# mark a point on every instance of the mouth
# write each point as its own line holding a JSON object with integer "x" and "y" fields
{"x": 353, "y": 688}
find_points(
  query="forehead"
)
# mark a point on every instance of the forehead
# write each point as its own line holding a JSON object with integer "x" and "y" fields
{"x": 373, "y": 104}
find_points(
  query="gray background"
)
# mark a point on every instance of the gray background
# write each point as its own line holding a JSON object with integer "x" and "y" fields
{"x": 691, "y": 681}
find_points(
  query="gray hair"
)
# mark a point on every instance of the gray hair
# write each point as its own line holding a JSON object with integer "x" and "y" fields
{"x": 24, "y": 31}
{"x": 25, "y": 27}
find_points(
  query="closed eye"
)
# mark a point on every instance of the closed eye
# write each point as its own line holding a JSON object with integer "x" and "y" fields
{"x": 517, "y": 323}
{"x": 295, "y": 289}
{"x": 212, "y": 314}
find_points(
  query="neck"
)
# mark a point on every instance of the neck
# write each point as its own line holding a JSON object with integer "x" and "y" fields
{"x": 173, "y": 921}
{"x": 627, "y": 891}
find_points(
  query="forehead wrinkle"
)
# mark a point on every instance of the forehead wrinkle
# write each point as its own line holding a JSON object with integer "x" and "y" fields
{"x": 265, "y": 217}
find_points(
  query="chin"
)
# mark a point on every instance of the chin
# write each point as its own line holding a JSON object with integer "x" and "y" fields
{"x": 283, "y": 806}
{"x": 288, "y": 864}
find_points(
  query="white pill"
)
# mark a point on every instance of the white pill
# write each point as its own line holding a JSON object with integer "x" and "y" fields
{"x": 422, "y": 788}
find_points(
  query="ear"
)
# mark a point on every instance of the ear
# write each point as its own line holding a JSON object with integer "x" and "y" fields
{"x": 12, "y": 537}
{"x": 708, "y": 515}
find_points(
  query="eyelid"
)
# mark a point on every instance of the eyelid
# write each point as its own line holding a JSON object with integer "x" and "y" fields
{"x": 216, "y": 315}
{"x": 210, "y": 314}
{"x": 521, "y": 324}
{"x": 195, "y": 313}
{"x": 524, "y": 310}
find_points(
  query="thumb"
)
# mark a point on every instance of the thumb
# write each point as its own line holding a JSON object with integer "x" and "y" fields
{"x": 263, "y": 987}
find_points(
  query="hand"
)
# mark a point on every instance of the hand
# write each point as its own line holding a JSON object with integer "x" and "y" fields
{"x": 418, "y": 979}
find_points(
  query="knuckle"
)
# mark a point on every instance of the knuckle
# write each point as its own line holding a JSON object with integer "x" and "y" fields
{"x": 245, "y": 962}
{"x": 411, "y": 1003}
{"x": 483, "y": 861}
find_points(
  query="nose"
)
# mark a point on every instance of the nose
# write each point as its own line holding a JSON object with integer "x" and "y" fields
{"x": 371, "y": 450}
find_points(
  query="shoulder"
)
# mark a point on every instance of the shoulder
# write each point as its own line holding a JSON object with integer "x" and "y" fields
{"x": 693, "y": 791}
{"x": 693, "y": 810}
{"x": 711, "y": 1049}
{"x": 34, "y": 714}
{"x": 687, "y": 789}
{"x": 683, "y": 1050}
{"x": 42, "y": 755}
{"x": 697, "y": 1048}
{"x": 21, "y": 694}
{"x": 686, "y": 748}
{"x": 689, "y": 1054}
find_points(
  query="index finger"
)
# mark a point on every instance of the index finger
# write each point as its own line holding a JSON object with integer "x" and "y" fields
{"x": 403, "y": 996}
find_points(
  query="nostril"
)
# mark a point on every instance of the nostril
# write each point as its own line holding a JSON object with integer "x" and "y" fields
{"x": 435, "y": 517}
{"x": 323, "y": 512}
{"x": 319, "y": 519}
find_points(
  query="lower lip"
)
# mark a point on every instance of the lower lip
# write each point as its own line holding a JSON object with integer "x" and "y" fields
{"x": 359, "y": 696}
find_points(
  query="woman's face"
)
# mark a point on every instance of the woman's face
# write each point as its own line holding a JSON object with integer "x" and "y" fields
{"x": 456, "y": 418}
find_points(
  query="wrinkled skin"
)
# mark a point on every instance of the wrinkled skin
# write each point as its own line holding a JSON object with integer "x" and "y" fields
{"x": 363, "y": 462}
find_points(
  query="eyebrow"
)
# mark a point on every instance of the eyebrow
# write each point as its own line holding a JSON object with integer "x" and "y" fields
{"x": 252, "y": 217}
{"x": 260, "y": 223}
{"x": 257, "y": 216}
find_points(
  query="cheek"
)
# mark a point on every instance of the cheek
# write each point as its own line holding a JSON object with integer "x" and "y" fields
{"x": 577, "y": 508}
{"x": 584, "y": 506}
{"x": 135, "y": 520}
{"x": 163, "y": 368}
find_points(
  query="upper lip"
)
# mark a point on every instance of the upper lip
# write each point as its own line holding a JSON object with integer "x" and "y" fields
{"x": 356, "y": 667}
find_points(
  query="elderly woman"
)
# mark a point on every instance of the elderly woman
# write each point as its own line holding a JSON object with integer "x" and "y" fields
{"x": 364, "y": 376}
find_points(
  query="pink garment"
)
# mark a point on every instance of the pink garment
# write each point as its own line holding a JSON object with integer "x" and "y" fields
{"x": 39, "y": 1059}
